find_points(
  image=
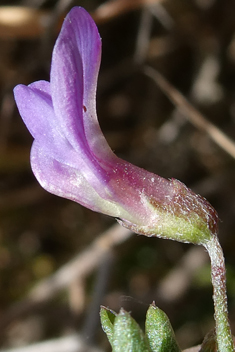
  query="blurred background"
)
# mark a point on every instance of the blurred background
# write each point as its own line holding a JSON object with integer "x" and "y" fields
{"x": 43, "y": 237}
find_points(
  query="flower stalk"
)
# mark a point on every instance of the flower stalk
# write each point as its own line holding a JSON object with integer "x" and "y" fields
{"x": 218, "y": 275}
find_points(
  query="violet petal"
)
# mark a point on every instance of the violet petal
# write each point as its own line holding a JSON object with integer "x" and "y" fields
{"x": 74, "y": 72}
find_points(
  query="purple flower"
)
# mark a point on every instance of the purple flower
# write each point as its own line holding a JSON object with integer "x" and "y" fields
{"x": 71, "y": 158}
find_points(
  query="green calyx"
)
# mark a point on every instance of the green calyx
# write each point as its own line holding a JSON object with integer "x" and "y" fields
{"x": 159, "y": 332}
{"x": 179, "y": 214}
{"x": 124, "y": 334}
{"x": 190, "y": 230}
{"x": 168, "y": 226}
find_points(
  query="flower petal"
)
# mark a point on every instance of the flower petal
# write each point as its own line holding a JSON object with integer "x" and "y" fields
{"x": 74, "y": 71}
{"x": 35, "y": 107}
{"x": 68, "y": 182}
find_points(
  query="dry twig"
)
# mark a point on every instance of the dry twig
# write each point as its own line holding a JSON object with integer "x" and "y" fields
{"x": 193, "y": 115}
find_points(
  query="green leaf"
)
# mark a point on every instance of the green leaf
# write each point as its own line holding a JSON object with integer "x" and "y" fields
{"x": 127, "y": 335}
{"x": 107, "y": 317}
{"x": 159, "y": 332}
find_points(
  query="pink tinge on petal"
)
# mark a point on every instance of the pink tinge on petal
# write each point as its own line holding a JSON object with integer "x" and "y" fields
{"x": 132, "y": 185}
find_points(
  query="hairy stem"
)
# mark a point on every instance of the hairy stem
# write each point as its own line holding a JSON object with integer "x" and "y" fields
{"x": 218, "y": 276}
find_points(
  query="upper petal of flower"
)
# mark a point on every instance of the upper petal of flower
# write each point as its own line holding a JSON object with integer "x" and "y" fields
{"x": 74, "y": 72}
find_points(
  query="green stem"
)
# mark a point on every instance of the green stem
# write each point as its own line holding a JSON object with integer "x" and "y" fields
{"x": 218, "y": 276}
